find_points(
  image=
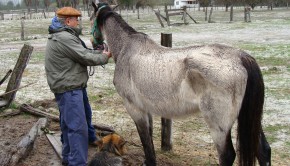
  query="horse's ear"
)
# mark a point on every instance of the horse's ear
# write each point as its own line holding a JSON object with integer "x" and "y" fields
{"x": 95, "y": 6}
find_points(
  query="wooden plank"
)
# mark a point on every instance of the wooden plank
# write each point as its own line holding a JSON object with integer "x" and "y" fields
{"x": 54, "y": 140}
{"x": 158, "y": 17}
{"x": 191, "y": 18}
{"x": 175, "y": 14}
{"x": 171, "y": 10}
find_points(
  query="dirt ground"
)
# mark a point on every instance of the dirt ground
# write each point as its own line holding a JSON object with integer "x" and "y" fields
{"x": 14, "y": 128}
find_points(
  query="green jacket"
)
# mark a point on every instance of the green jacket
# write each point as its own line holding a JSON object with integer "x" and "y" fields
{"x": 66, "y": 61}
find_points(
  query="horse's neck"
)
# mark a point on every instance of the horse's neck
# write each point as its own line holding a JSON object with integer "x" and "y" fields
{"x": 116, "y": 37}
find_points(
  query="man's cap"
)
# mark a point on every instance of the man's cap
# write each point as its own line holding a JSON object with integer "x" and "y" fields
{"x": 68, "y": 12}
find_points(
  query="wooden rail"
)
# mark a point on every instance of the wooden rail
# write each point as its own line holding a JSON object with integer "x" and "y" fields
{"x": 172, "y": 12}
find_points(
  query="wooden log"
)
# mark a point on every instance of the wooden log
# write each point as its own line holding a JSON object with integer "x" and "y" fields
{"x": 29, "y": 109}
{"x": 26, "y": 144}
{"x": 103, "y": 127}
{"x": 16, "y": 75}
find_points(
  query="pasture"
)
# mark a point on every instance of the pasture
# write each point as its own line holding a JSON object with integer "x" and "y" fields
{"x": 266, "y": 38}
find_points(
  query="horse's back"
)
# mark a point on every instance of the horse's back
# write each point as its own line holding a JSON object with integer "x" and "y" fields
{"x": 176, "y": 80}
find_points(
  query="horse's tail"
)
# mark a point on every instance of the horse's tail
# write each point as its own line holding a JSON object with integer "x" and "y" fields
{"x": 250, "y": 116}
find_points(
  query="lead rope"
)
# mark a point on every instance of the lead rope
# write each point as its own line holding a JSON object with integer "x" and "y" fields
{"x": 96, "y": 31}
{"x": 91, "y": 71}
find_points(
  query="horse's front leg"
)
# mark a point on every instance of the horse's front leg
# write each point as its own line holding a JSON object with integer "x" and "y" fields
{"x": 142, "y": 121}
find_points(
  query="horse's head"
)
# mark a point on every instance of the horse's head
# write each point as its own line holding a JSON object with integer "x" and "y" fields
{"x": 101, "y": 12}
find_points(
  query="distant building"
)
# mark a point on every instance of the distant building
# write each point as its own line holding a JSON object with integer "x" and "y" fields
{"x": 15, "y": 2}
{"x": 187, "y": 3}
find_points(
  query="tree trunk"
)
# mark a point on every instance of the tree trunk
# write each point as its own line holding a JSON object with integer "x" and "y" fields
{"x": 210, "y": 14}
{"x": 205, "y": 14}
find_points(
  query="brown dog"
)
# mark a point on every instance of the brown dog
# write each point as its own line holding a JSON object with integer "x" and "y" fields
{"x": 111, "y": 148}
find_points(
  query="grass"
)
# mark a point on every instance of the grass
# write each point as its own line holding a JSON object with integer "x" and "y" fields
{"x": 273, "y": 132}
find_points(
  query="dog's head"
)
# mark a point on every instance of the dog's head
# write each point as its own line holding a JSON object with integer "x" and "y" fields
{"x": 113, "y": 143}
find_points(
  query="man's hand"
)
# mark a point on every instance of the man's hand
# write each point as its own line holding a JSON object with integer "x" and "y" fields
{"x": 108, "y": 53}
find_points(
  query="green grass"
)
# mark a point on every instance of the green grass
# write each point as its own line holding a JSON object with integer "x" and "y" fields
{"x": 37, "y": 56}
{"x": 273, "y": 132}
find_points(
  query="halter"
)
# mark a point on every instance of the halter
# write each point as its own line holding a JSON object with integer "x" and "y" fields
{"x": 96, "y": 30}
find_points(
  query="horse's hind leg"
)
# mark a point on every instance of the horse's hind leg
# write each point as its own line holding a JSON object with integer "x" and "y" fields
{"x": 220, "y": 128}
{"x": 225, "y": 148}
{"x": 264, "y": 156}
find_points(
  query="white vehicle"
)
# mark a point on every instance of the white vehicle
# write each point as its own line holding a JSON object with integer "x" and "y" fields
{"x": 187, "y": 3}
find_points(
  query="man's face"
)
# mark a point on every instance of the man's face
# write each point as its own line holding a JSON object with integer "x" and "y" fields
{"x": 72, "y": 22}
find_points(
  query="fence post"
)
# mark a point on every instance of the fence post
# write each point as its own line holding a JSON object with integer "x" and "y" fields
{"x": 166, "y": 124}
{"x": 1, "y": 16}
{"x": 16, "y": 75}
{"x": 22, "y": 28}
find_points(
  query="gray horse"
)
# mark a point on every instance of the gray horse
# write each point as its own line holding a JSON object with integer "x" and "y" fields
{"x": 221, "y": 82}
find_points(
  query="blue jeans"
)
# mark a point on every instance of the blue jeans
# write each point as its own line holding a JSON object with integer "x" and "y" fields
{"x": 74, "y": 110}
{"x": 88, "y": 110}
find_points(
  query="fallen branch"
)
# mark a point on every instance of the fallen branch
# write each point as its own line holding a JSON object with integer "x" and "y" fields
{"x": 17, "y": 89}
{"x": 6, "y": 76}
{"x": 27, "y": 108}
{"x": 14, "y": 112}
{"x": 26, "y": 144}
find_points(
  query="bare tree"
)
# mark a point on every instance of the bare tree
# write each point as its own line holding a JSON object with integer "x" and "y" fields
{"x": 28, "y": 4}
{"x": 46, "y": 4}
{"x": 74, "y": 3}
{"x": 36, "y": 4}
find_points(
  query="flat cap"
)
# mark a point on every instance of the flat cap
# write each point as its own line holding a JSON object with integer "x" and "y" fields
{"x": 68, "y": 12}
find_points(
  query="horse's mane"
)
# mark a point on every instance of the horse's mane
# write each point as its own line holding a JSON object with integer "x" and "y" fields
{"x": 107, "y": 12}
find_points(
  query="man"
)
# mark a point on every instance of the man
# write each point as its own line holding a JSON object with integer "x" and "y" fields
{"x": 66, "y": 61}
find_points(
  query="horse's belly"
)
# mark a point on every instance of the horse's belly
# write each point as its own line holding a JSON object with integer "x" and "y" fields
{"x": 177, "y": 105}
{"x": 179, "y": 109}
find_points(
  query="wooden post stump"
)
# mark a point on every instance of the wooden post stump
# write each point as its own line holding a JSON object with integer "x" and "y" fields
{"x": 166, "y": 124}
{"x": 16, "y": 76}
